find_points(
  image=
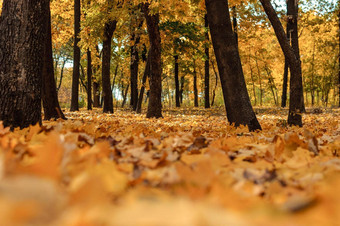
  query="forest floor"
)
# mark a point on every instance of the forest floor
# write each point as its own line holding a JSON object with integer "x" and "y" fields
{"x": 188, "y": 168}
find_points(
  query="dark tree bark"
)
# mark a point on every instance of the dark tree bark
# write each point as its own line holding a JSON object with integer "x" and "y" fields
{"x": 296, "y": 90}
{"x": 178, "y": 104}
{"x": 181, "y": 90}
{"x": 142, "y": 89}
{"x": 285, "y": 85}
{"x": 134, "y": 64}
{"x": 155, "y": 99}
{"x": 109, "y": 28}
{"x": 89, "y": 80}
{"x": 76, "y": 58}
{"x": 134, "y": 72}
{"x": 61, "y": 75}
{"x": 125, "y": 95}
{"x": 206, "y": 66}
{"x": 235, "y": 23}
{"x": 216, "y": 82}
{"x": 22, "y": 30}
{"x": 49, "y": 91}
{"x": 96, "y": 96}
{"x": 195, "y": 86}
{"x": 236, "y": 98}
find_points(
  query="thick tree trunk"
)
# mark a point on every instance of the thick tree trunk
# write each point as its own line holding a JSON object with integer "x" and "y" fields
{"x": 22, "y": 30}
{"x": 76, "y": 58}
{"x": 206, "y": 66}
{"x": 49, "y": 91}
{"x": 110, "y": 26}
{"x": 296, "y": 90}
{"x": 155, "y": 101}
{"x": 89, "y": 80}
{"x": 142, "y": 89}
{"x": 236, "y": 98}
{"x": 178, "y": 104}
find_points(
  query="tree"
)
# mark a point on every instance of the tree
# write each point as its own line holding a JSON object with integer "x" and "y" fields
{"x": 296, "y": 91}
{"x": 49, "y": 92}
{"x": 76, "y": 58}
{"x": 236, "y": 98}
{"x": 155, "y": 100}
{"x": 22, "y": 30}
{"x": 89, "y": 80}
{"x": 178, "y": 104}
{"x": 109, "y": 28}
{"x": 206, "y": 66}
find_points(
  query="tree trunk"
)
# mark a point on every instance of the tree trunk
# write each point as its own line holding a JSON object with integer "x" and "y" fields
{"x": 155, "y": 101}
{"x": 206, "y": 66}
{"x": 260, "y": 80}
{"x": 61, "y": 75}
{"x": 49, "y": 91}
{"x": 181, "y": 90}
{"x": 96, "y": 96}
{"x": 178, "y": 104}
{"x": 134, "y": 72}
{"x": 312, "y": 76}
{"x": 285, "y": 85}
{"x": 76, "y": 58}
{"x": 22, "y": 30}
{"x": 296, "y": 90}
{"x": 110, "y": 26}
{"x": 89, "y": 80}
{"x": 252, "y": 78}
{"x": 125, "y": 95}
{"x": 216, "y": 82}
{"x": 236, "y": 98}
{"x": 195, "y": 87}
{"x": 142, "y": 89}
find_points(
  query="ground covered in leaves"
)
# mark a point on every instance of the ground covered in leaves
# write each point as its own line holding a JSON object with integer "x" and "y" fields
{"x": 189, "y": 168}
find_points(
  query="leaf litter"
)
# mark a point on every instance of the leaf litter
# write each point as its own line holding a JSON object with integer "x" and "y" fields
{"x": 184, "y": 169}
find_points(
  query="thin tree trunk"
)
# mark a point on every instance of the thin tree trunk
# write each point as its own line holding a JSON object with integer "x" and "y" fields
{"x": 216, "y": 82}
{"x": 195, "y": 86}
{"x": 125, "y": 95}
{"x": 76, "y": 58}
{"x": 252, "y": 78}
{"x": 61, "y": 75}
{"x": 236, "y": 98}
{"x": 155, "y": 101}
{"x": 260, "y": 80}
{"x": 134, "y": 72}
{"x": 206, "y": 66}
{"x": 296, "y": 89}
{"x": 22, "y": 32}
{"x": 178, "y": 104}
{"x": 181, "y": 90}
{"x": 142, "y": 89}
{"x": 89, "y": 80}
{"x": 312, "y": 76}
{"x": 271, "y": 84}
{"x": 49, "y": 92}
